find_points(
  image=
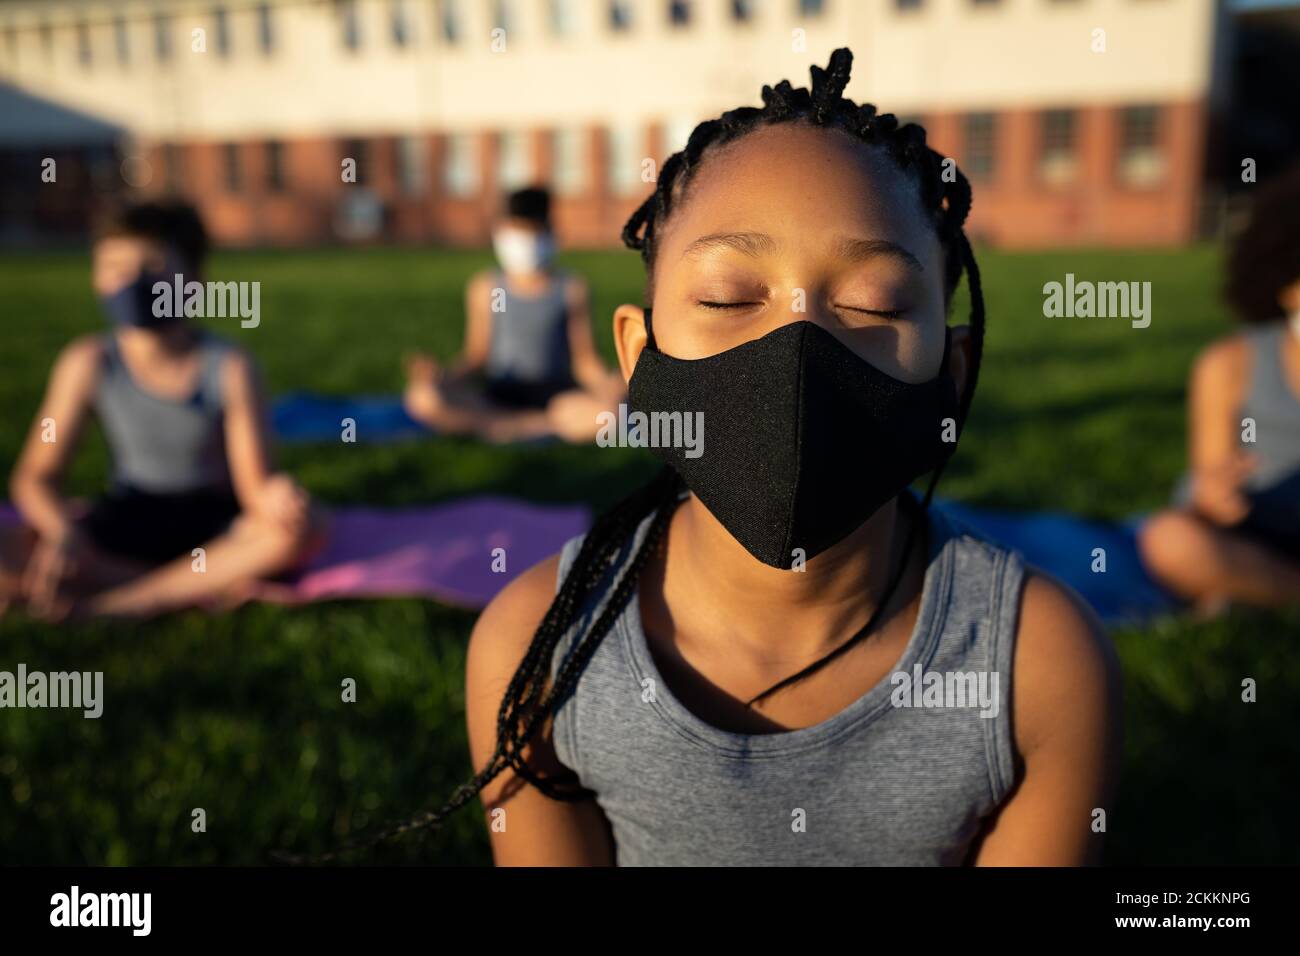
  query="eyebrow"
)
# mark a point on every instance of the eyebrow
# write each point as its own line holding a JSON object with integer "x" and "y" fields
{"x": 860, "y": 250}
{"x": 752, "y": 244}
{"x": 755, "y": 244}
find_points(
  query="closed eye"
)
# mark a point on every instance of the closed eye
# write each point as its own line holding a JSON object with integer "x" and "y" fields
{"x": 883, "y": 313}
{"x": 706, "y": 304}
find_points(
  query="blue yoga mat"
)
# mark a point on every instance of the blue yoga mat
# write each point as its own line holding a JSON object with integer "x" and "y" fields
{"x": 380, "y": 419}
{"x": 306, "y": 417}
{"x": 1062, "y": 545}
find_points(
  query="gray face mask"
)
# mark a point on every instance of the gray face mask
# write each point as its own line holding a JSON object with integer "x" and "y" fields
{"x": 519, "y": 250}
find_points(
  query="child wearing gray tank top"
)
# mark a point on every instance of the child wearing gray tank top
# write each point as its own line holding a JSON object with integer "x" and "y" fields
{"x": 772, "y": 653}
{"x": 183, "y": 520}
{"x": 1232, "y": 532}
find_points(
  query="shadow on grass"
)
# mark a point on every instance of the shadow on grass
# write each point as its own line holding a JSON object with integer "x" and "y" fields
{"x": 1207, "y": 777}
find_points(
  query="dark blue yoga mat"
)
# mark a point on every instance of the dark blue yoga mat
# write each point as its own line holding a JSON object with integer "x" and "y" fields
{"x": 306, "y": 417}
{"x": 1062, "y": 545}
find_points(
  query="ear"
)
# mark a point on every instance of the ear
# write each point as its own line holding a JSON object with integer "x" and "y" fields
{"x": 959, "y": 356}
{"x": 629, "y": 337}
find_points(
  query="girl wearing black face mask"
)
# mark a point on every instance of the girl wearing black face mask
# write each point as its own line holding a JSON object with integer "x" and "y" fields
{"x": 183, "y": 418}
{"x": 775, "y": 652}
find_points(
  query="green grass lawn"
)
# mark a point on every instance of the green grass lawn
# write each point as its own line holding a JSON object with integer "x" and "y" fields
{"x": 241, "y": 714}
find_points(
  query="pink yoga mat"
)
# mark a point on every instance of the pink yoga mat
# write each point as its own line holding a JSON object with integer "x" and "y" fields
{"x": 443, "y": 551}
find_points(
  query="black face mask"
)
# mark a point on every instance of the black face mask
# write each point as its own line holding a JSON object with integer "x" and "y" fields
{"x": 132, "y": 305}
{"x": 805, "y": 439}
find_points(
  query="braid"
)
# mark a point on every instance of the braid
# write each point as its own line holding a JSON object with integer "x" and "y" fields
{"x": 532, "y": 697}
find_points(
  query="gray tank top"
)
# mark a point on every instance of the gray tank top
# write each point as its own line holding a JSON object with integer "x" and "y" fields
{"x": 1273, "y": 406}
{"x": 876, "y": 784}
{"x": 1274, "y": 487}
{"x": 162, "y": 445}
{"x": 530, "y": 338}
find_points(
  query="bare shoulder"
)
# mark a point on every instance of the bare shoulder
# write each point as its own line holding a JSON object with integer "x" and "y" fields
{"x": 1223, "y": 362}
{"x": 80, "y": 356}
{"x": 1066, "y": 668}
{"x": 75, "y": 373}
{"x": 506, "y": 627}
{"x": 238, "y": 370}
{"x": 481, "y": 282}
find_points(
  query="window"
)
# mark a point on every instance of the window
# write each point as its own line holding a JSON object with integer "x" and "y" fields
{"x": 679, "y": 13}
{"x": 980, "y": 131}
{"x": 121, "y": 41}
{"x": 173, "y": 167}
{"x": 676, "y": 132}
{"x": 1056, "y": 161}
{"x": 232, "y": 168}
{"x": 620, "y": 15}
{"x": 569, "y": 161}
{"x": 413, "y": 165}
{"x": 908, "y": 4}
{"x": 742, "y": 11}
{"x": 460, "y": 168}
{"x": 47, "y": 39}
{"x": 514, "y": 163}
{"x": 985, "y": 3}
{"x": 1141, "y": 163}
{"x": 265, "y": 30}
{"x": 623, "y": 156}
{"x": 358, "y": 150}
{"x": 400, "y": 23}
{"x": 85, "y": 51}
{"x": 221, "y": 31}
{"x": 349, "y": 24}
{"x": 449, "y": 20}
{"x": 503, "y": 17}
{"x": 560, "y": 15}
{"x": 812, "y": 8}
{"x": 162, "y": 38}
{"x": 275, "y": 178}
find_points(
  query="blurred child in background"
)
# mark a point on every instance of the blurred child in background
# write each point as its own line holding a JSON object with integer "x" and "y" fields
{"x": 529, "y": 368}
{"x": 1234, "y": 531}
{"x": 184, "y": 417}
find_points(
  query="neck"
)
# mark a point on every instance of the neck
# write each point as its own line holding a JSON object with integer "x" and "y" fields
{"x": 173, "y": 339}
{"x": 530, "y": 277}
{"x": 807, "y": 611}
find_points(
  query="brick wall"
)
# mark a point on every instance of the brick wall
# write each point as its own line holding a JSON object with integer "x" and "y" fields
{"x": 1014, "y": 208}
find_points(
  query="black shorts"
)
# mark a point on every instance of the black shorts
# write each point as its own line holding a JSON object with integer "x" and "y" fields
{"x": 155, "y": 528}
{"x": 1274, "y": 517}
{"x": 1283, "y": 542}
{"x": 522, "y": 395}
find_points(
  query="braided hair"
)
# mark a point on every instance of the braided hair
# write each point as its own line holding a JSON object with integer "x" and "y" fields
{"x": 532, "y": 697}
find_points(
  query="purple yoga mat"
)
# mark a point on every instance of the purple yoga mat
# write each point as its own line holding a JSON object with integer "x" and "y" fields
{"x": 439, "y": 551}
{"x": 442, "y": 551}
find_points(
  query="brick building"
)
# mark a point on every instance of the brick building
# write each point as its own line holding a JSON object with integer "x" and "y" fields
{"x": 1079, "y": 121}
